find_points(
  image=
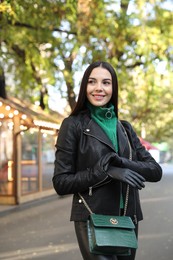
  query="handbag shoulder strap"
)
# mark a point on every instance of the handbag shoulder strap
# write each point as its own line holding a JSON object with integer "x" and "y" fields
{"x": 130, "y": 148}
{"x": 130, "y": 158}
{"x": 127, "y": 192}
{"x": 85, "y": 203}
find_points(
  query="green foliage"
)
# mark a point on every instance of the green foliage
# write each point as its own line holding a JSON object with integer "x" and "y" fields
{"x": 48, "y": 42}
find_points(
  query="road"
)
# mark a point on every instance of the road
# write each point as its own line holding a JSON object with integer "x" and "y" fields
{"x": 156, "y": 231}
{"x": 42, "y": 230}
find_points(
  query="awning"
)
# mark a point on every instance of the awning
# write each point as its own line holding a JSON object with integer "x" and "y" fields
{"x": 147, "y": 145}
{"x": 29, "y": 114}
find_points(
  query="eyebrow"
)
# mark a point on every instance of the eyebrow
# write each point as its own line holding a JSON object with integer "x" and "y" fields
{"x": 103, "y": 79}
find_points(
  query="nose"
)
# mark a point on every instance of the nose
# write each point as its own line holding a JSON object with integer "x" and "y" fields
{"x": 99, "y": 86}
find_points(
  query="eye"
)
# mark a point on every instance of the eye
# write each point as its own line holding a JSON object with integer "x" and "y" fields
{"x": 106, "y": 82}
{"x": 91, "y": 81}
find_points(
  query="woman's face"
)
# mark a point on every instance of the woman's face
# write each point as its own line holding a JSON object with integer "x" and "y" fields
{"x": 99, "y": 87}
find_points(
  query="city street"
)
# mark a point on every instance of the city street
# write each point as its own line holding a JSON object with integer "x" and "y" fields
{"x": 42, "y": 230}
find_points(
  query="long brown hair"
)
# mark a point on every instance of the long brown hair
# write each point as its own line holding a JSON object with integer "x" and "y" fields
{"x": 82, "y": 99}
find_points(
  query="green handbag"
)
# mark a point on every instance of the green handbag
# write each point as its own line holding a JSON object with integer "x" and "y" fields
{"x": 111, "y": 235}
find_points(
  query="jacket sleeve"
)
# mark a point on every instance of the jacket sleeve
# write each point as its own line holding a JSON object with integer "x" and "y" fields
{"x": 145, "y": 164}
{"x": 67, "y": 179}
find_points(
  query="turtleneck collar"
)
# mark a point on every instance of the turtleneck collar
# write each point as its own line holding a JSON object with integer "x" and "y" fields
{"x": 102, "y": 113}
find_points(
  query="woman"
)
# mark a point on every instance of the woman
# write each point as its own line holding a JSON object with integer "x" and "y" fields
{"x": 92, "y": 157}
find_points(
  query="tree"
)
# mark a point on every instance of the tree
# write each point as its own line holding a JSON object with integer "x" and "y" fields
{"x": 2, "y": 84}
{"x": 51, "y": 41}
{"x": 25, "y": 50}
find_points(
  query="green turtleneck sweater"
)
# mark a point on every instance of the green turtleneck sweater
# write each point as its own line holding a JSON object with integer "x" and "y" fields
{"x": 106, "y": 119}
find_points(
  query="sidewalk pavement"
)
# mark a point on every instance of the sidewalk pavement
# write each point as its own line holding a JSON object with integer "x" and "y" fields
{"x": 6, "y": 209}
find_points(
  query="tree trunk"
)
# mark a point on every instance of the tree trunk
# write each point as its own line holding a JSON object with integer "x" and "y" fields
{"x": 43, "y": 93}
{"x": 3, "y": 93}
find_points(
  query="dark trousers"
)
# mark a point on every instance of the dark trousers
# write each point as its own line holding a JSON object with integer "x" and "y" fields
{"x": 82, "y": 237}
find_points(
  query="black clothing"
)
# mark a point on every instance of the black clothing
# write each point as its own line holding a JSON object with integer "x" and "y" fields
{"x": 80, "y": 145}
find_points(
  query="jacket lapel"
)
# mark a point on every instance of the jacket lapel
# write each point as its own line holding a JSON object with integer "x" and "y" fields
{"x": 94, "y": 130}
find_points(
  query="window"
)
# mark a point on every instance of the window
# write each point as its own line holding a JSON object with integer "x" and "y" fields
{"x": 29, "y": 162}
{"x": 48, "y": 157}
{"x": 6, "y": 153}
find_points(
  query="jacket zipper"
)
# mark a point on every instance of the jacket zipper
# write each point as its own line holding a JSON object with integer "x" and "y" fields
{"x": 98, "y": 185}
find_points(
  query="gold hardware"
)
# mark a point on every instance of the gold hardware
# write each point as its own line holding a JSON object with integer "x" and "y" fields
{"x": 113, "y": 221}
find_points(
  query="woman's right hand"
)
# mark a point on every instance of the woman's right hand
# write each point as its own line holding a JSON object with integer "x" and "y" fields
{"x": 126, "y": 175}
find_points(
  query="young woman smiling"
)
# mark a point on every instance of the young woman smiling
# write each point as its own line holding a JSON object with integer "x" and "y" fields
{"x": 92, "y": 157}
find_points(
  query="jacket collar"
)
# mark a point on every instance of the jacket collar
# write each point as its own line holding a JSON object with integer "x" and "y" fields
{"x": 91, "y": 128}
{"x": 94, "y": 130}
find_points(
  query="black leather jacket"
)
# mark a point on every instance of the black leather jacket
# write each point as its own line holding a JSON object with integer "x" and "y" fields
{"x": 80, "y": 144}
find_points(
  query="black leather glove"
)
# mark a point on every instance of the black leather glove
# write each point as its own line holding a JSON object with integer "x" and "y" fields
{"x": 115, "y": 159}
{"x": 104, "y": 162}
{"x": 98, "y": 171}
{"x": 126, "y": 175}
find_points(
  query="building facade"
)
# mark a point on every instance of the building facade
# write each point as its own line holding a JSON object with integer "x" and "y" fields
{"x": 27, "y": 147}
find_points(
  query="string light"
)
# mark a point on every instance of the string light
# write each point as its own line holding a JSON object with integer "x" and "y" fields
{"x": 7, "y": 108}
{"x": 1, "y": 115}
{"x": 46, "y": 124}
{"x": 24, "y": 116}
{"x": 10, "y": 115}
{"x": 22, "y": 127}
{"x": 16, "y": 112}
{"x": 38, "y": 123}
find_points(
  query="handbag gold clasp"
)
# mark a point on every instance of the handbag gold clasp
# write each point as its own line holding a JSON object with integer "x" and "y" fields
{"x": 113, "y": 221}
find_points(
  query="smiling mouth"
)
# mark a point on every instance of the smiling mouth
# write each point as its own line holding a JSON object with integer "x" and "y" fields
{"x": 98, "y": 96}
